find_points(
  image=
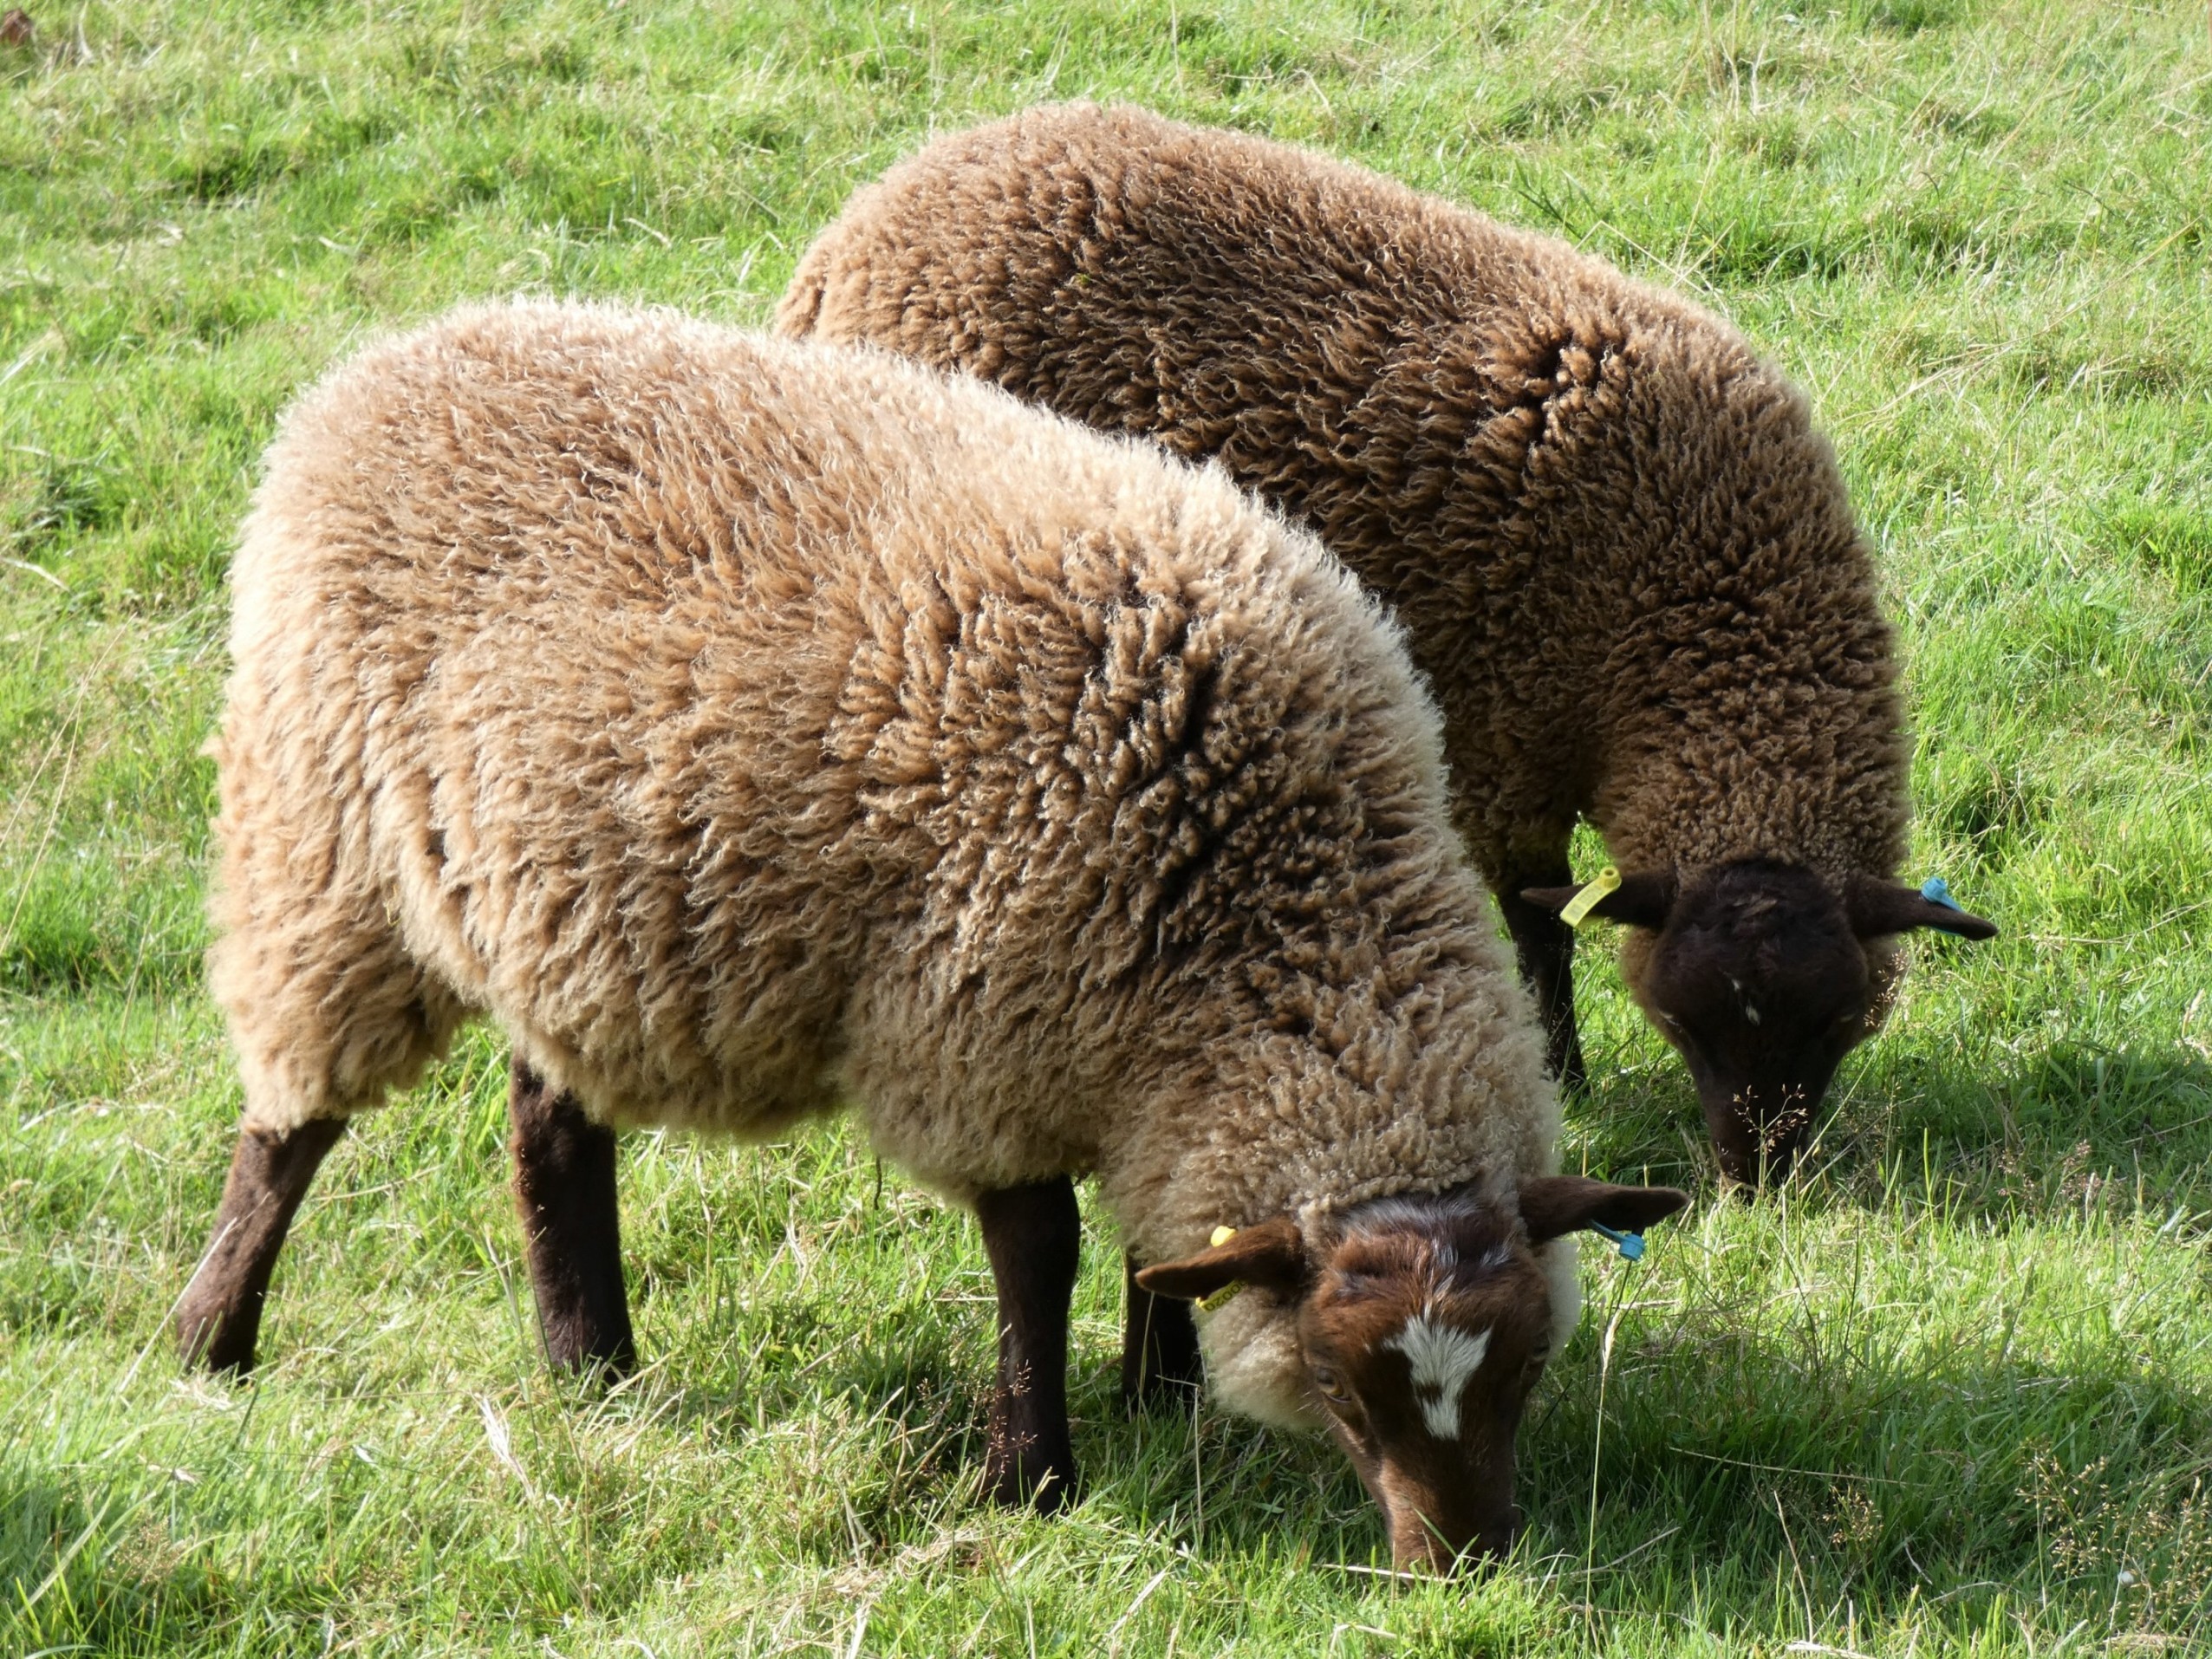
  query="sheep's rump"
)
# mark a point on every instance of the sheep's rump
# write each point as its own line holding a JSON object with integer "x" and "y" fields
{"x": 518, "y": 694}
{"x": 1618, "y": 547}
{"x": 743, "y": 723}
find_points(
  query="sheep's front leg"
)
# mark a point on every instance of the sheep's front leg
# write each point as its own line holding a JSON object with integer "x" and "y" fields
{"x": 1545, "y": 948}
{"x": 218, "y": 1318}
{"x": 1032, "y": 1235}
{"x": 564, "y": 1187}
{"x": 1160, "y": 1359}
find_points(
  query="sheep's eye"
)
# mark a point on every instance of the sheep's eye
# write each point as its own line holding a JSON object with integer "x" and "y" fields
{"x": 1329, "y": 1383}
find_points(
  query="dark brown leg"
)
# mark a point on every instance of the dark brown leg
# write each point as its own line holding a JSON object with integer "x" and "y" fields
{"x": 1032, "y": 1235}
{"x": 564, "y": 1187}
{"x": 219, "y": 1319}
{"x": 1160, "y": 1360}
{"x": 1545, "y": 947}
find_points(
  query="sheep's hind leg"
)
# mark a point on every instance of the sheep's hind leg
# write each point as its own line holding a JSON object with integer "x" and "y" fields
{"x": 564, "y": 1187}
{"x": 1160, "y": 1359}
{"x": 1545, "y": 947}
{"x": 218, "y": 1318}
{"x": 1033, "y": 1236}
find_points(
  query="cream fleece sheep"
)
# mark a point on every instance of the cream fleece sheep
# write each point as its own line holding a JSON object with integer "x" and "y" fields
{"x": 1620, "y": 550}
{"x": 753, "y": 728}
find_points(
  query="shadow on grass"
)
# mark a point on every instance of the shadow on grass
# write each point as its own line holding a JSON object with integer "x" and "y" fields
{"x": 921, "y": 1408}
{"x": 1740, "y": 1481}
{"x": 2071, "y": 1122}
{"x": 859, "y": 1449}
{"x": 2034, "y": 1137}
{"x": 1954, "y": 1475}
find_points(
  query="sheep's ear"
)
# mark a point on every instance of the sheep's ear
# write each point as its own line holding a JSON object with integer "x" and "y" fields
{"x": 1554, "y": 1204}
{"x": 1880, "y": 908}
{"x": 1271, "y": 1254}
{"x": 1642, "y": 899}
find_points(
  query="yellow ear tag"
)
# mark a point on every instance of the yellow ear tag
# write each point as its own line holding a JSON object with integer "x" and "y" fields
{"x": 1208, "y": 1304}
{"x": 1576, "y": 910}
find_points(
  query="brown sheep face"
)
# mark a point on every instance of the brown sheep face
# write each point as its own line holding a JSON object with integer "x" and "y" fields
{"x": 1423, "y": 1325}
{"x": 1763, "y": 977}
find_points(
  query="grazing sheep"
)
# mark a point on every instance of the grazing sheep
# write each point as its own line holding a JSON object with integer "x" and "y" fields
{"x": 755, "y": 728}
{"x": 1618, "y": 547}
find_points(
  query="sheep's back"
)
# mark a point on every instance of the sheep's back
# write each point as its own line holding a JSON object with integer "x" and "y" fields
{"x": 684, "y": 691}
{"x": 1589, "y": 501}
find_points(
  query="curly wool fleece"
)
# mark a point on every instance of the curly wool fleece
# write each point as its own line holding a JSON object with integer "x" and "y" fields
{"x": 1621, "y": 552}
{"x": 753, "y": 728}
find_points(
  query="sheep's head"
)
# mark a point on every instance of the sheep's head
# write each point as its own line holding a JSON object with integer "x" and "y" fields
{"x": 1764, "y": 976}
{"x": 1421, "y": 1325}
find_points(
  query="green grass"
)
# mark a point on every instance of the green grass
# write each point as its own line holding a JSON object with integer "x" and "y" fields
{"x": 1951, "y": 1392}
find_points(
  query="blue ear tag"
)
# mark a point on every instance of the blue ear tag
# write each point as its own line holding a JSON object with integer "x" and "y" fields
{"x": 1935, "y": 890}
{"x": 1630, "y": 1245}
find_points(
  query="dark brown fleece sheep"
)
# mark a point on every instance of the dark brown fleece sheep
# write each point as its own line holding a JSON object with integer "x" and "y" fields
{"x": 1619, "y": 547}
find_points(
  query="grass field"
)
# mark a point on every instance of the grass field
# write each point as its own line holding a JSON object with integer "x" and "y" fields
{"x": 1950, "y": 1392}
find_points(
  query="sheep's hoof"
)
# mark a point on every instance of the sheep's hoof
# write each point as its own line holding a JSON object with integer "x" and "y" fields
{"x": 209, "y": 1340}
{"x": 1047, "y": 1485}
{"x": 564, "y": 1188}
{"x": 219, "y": 1319}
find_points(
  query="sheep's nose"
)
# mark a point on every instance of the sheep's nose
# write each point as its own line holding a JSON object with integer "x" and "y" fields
{"x": 1497, "y": 1541}
{"x": 1424, "y": 1546}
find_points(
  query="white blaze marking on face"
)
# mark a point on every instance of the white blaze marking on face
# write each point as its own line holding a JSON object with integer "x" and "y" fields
{"x": 1443, "y": 1358}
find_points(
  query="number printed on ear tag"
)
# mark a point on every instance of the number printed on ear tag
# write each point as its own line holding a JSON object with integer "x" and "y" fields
{"x": 1208, "y": 1304}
